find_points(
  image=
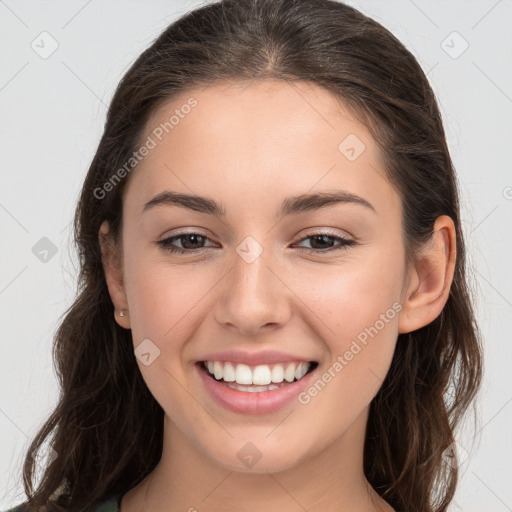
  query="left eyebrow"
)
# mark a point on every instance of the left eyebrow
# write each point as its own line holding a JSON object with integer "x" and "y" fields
{"x": 307, "y": 202}
{"x": 292, "y": 205}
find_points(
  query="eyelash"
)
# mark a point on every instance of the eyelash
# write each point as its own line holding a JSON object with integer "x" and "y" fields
{"x": 166, "y": 244}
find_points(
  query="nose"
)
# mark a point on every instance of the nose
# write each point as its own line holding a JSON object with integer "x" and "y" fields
{"x": 254, "y": 297}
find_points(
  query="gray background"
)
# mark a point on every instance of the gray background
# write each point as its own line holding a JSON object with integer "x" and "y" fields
{"x": 52, "y": 114}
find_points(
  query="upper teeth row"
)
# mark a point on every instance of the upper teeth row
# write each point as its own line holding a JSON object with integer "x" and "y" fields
{"x": 261, "y": 375}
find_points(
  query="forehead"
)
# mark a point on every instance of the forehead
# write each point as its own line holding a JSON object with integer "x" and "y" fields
{"x": 262, "y": 139}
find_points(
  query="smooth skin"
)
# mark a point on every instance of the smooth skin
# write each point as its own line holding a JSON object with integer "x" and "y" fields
{"x": 249, "y": 146}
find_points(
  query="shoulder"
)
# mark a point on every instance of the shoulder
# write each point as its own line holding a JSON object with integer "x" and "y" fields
{"x": 110, "y": 505}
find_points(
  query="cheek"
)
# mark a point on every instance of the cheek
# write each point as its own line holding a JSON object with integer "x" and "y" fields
{"x": 351, "y": 297}
{"x": 160, "y": 297}
{"x": 163, "y": 303}
{"x": 357, "y": 309}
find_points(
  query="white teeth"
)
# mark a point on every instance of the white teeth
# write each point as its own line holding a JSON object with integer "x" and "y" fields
{"x": 301, "y": 370}
{"x": 261, "y": 375}
{"x": 289, "y": 373}
{"x": 254, "y": 389}
{"x": 217, "y": 370}
{"x": 243, "y": 374}
{"x": 229, "y": 373}
{"x": 278, "y": 373}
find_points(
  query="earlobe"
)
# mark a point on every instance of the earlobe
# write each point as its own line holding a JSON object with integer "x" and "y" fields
{"x": 112, "y": 268}
{"x": 432, "y": 277}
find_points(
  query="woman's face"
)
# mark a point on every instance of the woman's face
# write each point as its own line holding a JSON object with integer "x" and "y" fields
{"x": 250, "y": 282}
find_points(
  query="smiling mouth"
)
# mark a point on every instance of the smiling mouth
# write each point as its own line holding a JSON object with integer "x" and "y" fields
{"x": 241, "y": 377}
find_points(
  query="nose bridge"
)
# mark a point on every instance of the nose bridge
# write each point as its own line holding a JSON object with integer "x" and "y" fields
{"x": 253, "y": 296}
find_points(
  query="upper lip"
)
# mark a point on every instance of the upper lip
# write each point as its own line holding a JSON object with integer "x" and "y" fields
{"x": 254, "y": 358}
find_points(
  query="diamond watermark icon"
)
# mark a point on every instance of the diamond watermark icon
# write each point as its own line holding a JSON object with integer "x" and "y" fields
{"x": 44, "y": 250}
{"x": 146, "y": 352}
{"x": 351, "y": 147}
{"x": 249, "y": 249}
{"x": 454, "y": 45}
{"x": 44, "y": 45}
{"x": 455, "y": 455}
{"x": 44, "y": 456}
{"x": 249, "y": 455}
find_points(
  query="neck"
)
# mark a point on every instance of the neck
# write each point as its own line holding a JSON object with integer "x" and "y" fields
{"x": 186, "y": 479}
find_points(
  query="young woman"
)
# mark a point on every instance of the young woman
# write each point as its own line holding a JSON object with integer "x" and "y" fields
{"x": 273, "y": 310}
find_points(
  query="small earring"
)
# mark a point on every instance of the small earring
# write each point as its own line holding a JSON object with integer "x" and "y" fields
{"x": 122, "y": 313}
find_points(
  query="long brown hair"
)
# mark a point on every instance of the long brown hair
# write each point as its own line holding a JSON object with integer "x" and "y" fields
{"x": 107, "y": 428}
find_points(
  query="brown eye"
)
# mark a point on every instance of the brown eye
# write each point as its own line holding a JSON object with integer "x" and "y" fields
{"x": 190, "y": 242}
{"x": 322, "y": 242}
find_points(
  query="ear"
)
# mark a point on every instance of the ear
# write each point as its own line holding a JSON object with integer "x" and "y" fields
{"x": 112, "y": 266}
{"x": 431, "y": 278}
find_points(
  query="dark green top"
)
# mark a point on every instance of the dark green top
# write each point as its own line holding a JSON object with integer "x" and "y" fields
{"x": 111, "y": 505}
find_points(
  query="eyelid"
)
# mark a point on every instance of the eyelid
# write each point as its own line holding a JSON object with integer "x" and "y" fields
{"x": 179, "y": 232}
{"x": 344, "y": 243}
{"x": 329, "y": 232}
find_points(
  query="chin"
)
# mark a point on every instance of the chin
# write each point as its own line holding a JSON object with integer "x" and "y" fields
{"x": 253, "y": 460}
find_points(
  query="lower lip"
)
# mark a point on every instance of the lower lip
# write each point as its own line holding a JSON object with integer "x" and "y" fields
{"x": 253, "y": 403}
